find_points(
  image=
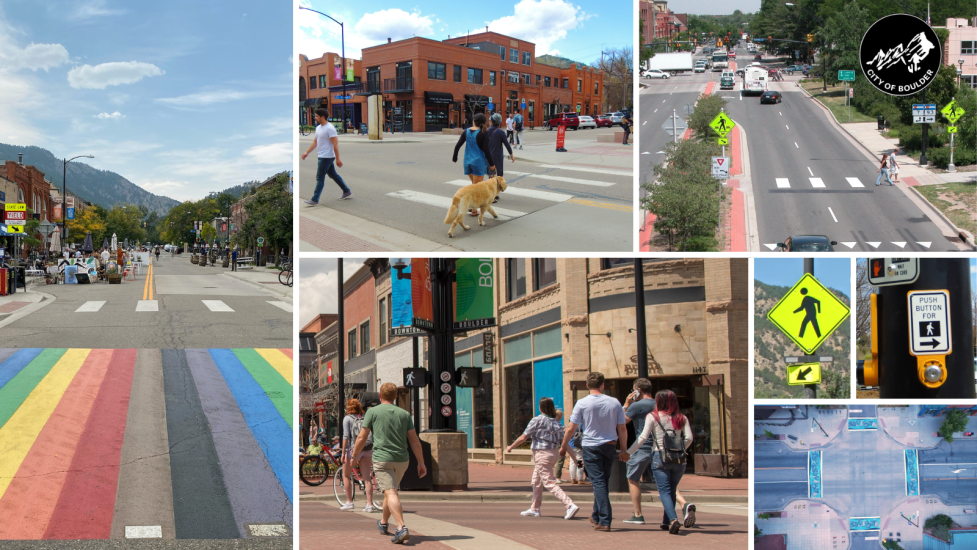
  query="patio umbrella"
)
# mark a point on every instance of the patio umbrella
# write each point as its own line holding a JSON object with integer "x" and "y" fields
{"x": 115, "y": 242}
{"x": 56, "y": 240}
{"x": 105, "y": 243}
{"x": 87, "y": 247}
{"x": 127, "y": 243}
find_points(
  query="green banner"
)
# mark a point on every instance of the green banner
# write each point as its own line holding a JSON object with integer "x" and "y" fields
{"x": 474, "y": 293}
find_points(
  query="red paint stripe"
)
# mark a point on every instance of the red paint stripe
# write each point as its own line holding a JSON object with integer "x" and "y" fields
{"x": 709, "y": 88}
{"x": 736, "y": 168}
{"x": 27, "y": 505}
{"x": 737, "y": 237}
{"x": 287, "y": 352}
{"x": 645, "y": 233}
{"x": 910, "y": 181}
{"x": 87, "y": 501}
{"x": 688, "y": 132}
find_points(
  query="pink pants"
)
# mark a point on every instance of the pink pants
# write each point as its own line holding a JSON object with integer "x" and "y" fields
{"x": 543, "y": 477}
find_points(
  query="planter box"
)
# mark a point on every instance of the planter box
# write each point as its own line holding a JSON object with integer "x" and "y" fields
{"x": 114, "y": 279}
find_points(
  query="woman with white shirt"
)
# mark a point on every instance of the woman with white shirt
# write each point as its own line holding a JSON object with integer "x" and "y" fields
{"x": 665, "y": 418}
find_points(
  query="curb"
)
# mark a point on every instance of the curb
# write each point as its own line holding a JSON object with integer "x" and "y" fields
{"x": 278, "y": 290}
{"x": 27, "y": 310}
{"x": 521, "y": 497}
{"x": 965, "y": 236}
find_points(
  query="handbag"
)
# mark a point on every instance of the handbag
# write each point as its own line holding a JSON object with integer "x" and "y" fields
{"x": 674, "y": 445}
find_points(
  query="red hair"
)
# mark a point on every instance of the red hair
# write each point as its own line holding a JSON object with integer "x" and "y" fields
{"x": 666, "y": 402}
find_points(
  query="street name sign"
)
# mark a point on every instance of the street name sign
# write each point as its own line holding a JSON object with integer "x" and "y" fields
{"x": 953, "y": 112}
{"x": 924, "y": 113}
{"x": 806, "y": 373}
{"x": 929, "y": 322}
{"x": 846, "y": 75}
{"x": 808, "y": 313}
{"x": 720, "y": 167}
{"x": 722, "y": 124}
{"x": 892, "y": 271}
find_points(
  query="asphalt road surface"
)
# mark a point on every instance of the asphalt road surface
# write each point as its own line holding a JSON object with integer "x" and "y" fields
{"x": 780, "y": 475}
{"x": 950, "y": 472}
{"x": 182, "y": 306}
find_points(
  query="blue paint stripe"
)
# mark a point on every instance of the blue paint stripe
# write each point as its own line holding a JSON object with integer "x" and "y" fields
{"x": 16, "y": 363}
{"x": 268, "y": 427}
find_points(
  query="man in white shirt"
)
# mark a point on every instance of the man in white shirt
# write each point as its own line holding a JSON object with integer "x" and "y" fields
{"x": 508, "y": 128}
{"x": 327, "y": 144}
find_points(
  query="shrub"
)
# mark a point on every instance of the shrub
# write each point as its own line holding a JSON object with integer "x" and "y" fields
{"x": 911, "y": 138}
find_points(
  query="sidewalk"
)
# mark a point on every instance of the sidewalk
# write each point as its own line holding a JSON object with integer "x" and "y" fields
{"x": 21, "y": 304}
{"x": 263, "y": 278}
{"x": 803, "y": 434}
{"x": 902, "y": 425}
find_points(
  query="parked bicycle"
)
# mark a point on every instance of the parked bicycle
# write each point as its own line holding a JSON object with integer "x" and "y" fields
{"x": 314, "y": 470}
{"x": 285, "y": 275}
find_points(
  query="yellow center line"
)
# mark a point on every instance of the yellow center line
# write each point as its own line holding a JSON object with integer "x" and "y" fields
{"x": 610, "y": 206}
{"x": 145, "y": 286}
{"x": 151, "y": 281}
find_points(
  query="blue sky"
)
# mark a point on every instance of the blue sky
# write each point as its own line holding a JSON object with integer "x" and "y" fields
{"x": 180, "y": 97}
{"x": 577, "y": 30}
{"x": 832, "y": 272}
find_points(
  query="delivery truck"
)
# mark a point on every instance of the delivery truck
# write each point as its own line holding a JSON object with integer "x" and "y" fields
{"x": 672, "y": 63}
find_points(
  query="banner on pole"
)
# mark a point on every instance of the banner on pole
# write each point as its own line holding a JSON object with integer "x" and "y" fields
{"x": 474, "y": 293}
{"x": 421, "y": 299}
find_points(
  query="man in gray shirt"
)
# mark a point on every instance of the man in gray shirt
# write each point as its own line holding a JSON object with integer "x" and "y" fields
{"x": 601, "y": 419}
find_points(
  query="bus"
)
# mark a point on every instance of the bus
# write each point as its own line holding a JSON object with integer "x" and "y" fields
{"x": 720, "y": 60}
{"x": 755, "y": 79}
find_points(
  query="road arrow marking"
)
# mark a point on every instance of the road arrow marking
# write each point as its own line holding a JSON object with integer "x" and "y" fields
{"x": 770, "y": 246}
{"x": 900, "y": 244}
{"x": 924, "y": 243}
{"x": 874, "y": 244}
{"x": 849, "y": 244}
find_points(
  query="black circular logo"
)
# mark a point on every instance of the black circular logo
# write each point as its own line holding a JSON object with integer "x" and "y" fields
{"x": 900, "y": 54}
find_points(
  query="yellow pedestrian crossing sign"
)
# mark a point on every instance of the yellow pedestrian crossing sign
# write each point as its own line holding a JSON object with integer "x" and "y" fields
{"x": 953, "y": 112}
{"x": 722, "y": 124}
{"x": 723, "y": 141}
{"x": 807, "y": 373}
{"x": 808, "y": 313}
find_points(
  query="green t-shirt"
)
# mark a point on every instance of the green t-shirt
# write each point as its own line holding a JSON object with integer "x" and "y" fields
{"x": 389, "y": 425}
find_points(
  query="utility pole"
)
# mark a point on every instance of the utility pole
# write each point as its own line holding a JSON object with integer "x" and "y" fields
{"x": 810, "y": 390}
{"x": 341, "y": 349}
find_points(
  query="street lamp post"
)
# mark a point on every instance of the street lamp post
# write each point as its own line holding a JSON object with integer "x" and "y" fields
{"x": 960, "y": 73}
{"x": 64, "y": 196}
{"x": 342, "y": 70}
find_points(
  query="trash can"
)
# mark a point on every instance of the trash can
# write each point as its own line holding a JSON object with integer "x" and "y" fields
{"x": 3, "y": 282}
{"x": 410, "y": 481}
{"x": 882, "y": 123}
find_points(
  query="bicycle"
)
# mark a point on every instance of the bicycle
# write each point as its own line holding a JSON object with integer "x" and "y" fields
{"x": 314, "y": 470}
{"x": 306, "y": 130}
{"x": 285, "y": 275}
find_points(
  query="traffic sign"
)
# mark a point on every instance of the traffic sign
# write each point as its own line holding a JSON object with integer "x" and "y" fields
{"x": 415, "y": 378}
{"x": 261, "y": 240}
{"x": 320, "y": 407}
{"x": 846, "y": 75}
{"x": 720, "y": 167}
{"x": 953, "y": 112}
{"x": 951, "y": 129}
{"x": 822, "y": 313}
{"x": 15, "y": 217}
{"x": 445, "y": 399}
{"x": 806, "y": 373}
{"x": 490, "y": 106}
{"x": 722, "y": 141}
{"x": 929, "y": 322}
{"x": 680, "y": 125}
{"x": 924, "y": 119}
{"x": 445, "y": 411}
{"x": 445, "y": 388}
{"x": 892, "y": 271}
{"x": 722, "y": 124}
{"x": 15, "y": 229}
{"x": 15, "y": 207}
{"x": 924, "y": 109}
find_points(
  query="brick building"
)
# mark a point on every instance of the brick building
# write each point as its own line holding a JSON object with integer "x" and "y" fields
{"x": 962, "y": 46}
{"x": 658, "y": 22}
{"x": 359, "y": 299}
{"x": 25, "y": 184}
{"x": 321, "y": 85}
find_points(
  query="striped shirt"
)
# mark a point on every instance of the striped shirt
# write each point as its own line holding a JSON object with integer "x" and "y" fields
{"x": 546, "y": 433}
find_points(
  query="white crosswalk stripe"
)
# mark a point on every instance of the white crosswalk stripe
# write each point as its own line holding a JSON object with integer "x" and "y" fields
{"x": 90, "y": 307}
{"x": 520, "y": 192}
{"x": 445, "y": 203}
{"x": 783, "y": 183}
{"x": 147, "y": 305}
{"x": 217, "y": 305}
{"x": 817, "y": 182}
{"x": 283, "y": 305}
{"x": 608, "y": 171}
{"x": 563, "y": 179}
{"x": 854, "y": 182}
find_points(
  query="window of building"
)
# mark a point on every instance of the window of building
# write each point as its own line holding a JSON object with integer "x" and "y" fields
{"x": 579, "y": 85}
{"x": 351, "y": 344}
{"x": 968, "y": 47}
{"x": 365, "y": 337}
{"x": 526, "y": 58}
{"x": 477, "y": 402}
{"x": 969, "y": 79}
{"x": 373, "y": 80}
{"x": 474, "y": 76}
{"x": 609, "y": 263}
{"x": 515, "y": 272}
{"x": 302, "y": 90}
{"x": 503, "y": 53}
{"x": 518, "y": 400}
{"x": 566, "y": 82}
{"x": 436, "y": 71}
{"x": 382, "y": 333}
{"x": 457, "y": 73}
{"x": 546, "y": 82}
{"x": 533, "y": 370}
{"x": 525, "y": 78}
{"x": 323, "y": 83}
{"x": 312, "y": 83}
{"x": 514, "y": 77}
{"x": 595, "y": 87}
{"x": 538, "y": 78}
{"x": 491, "y": 78}
{"x": 514, "y": 56}
{"x": 544, "y": 272}
{"x": 405, "y": 75}
{"x": 20, "y": 195}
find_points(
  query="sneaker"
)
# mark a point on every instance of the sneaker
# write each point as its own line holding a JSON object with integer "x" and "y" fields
{"x": 663, "y": 527}
{"x": 571, "y": 511}
{"x": 311, "y": 202}
{"x": 346, "y": 195}
{"x": 530, "y": 512}
{"x": 640, "y": 520}
{"x": 347, "y": 506}
{"x": 369, "y": 509}
{"x": 559, "y": 481}
{"x": 674, "y": 528}
{"x": 689, "y": 514}
{"x": 402, "y": 536}
{"x": 575, "y": 482}
{"x": 382, "y": 527}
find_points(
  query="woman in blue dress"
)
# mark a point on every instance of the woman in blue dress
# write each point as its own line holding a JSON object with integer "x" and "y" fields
{"x": 476, "y": 151}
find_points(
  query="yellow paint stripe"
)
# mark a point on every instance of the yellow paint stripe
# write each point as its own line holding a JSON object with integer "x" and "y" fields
{"x": 18, "y": 435}
{"x": 151, "y": 281}
{"x": 279, "y": 361}
{"x": 609, "y": 206}
{"x": 145, "y": 286}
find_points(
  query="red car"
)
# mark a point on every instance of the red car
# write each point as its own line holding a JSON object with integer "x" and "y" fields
{"x": 603, "y": 121}
{"x": 570, "y": 120}
{"x": 732, "y": 54}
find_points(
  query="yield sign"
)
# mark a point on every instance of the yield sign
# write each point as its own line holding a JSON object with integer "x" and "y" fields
{"x": 952, "y": 112}
{"x": 722, "y": 124}
{"x": 807, "y": 373}
{"x": 808, "y": 313}
{"x": 720, "y": 167}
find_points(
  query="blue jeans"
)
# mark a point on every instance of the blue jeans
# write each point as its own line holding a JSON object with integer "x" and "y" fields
{"x": 667, "y": 477}
{"x": 885, "y": 172}
{"x": 327, "y": 167}
{"x": 597, "y": 462}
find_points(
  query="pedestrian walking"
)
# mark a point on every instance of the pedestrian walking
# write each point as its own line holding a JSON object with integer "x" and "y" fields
{"x": 495, "y": 141}
{"x": 517, "y": 128}
{"x": 156, "y": 251}
{"x": 508, "y": 128}
{"x": 326, "y": 143}
{"x": 313, "y": 431}
{"x": 669, "y": 431}
{"x": 626, "y": 125}
{"x": 601, "y": 418}
{"x": 234, "y": 259}
{"x": 883, "y": 170}
{"x": 387, "y": 125}
{"x": 893, "y": 166}
{"x": 352, "y": 425}
{"x": 546, "y": 435}
{"x": 392, "y": 430}
{"x": 476, "y": 152}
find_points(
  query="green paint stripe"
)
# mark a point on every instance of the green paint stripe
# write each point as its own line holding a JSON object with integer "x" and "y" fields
{"x": 13, "y": 393}
{"x": 276, "y": 388}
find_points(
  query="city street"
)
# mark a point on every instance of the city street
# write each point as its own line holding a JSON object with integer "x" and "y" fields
{"x": 802, "y": 173}
{"x": 402, "y": 187}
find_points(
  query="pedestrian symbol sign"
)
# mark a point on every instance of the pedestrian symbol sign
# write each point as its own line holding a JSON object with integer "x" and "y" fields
{"x": 807, "y": 373}
{"x": 808, "y": 313}
{"x": 722, "y": 124}
{"x": 892, "y": 271}
{"x": 952, "y": 112}
{"x": 929, "y": 322}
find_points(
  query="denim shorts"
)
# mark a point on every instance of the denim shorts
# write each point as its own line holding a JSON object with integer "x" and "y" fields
{"x": 639, "y": 463}
{"x": 478, "y": 168}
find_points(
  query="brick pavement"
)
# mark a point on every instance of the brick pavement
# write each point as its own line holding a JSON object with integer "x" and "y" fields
{"x": 328, "y": 239}
{"x": 12, "y": 306}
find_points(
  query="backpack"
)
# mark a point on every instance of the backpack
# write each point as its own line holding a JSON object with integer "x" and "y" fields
{"x": 674, "y": 445}
{"x": 519, "y": 124}
{"x": 355, "y": 432}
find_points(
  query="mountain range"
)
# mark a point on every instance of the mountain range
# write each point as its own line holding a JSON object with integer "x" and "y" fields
{"x": 557, "y": 61}
{"x": 101, "y": 187}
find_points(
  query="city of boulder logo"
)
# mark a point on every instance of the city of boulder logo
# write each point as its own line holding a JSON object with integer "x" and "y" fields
{"x": 900, "y": 54}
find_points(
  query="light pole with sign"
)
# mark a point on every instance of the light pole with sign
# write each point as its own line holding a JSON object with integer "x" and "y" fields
{"x": 64, "y": 198}
{"x": 846, "y": 77}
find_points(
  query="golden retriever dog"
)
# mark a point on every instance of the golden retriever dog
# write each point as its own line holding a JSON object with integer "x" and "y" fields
{"x": 478, "y": 195}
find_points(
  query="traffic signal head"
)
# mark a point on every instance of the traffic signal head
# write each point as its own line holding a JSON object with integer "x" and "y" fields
{"x": 810, "y": 38}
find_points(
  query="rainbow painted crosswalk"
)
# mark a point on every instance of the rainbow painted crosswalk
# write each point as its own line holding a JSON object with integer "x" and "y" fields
{"x": 127, "y": 443}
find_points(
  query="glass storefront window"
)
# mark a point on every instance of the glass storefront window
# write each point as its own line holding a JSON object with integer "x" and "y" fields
{"x": 547, "y": 341}
{"x": 436, "y": 115}
{"x": 519, "y": 400}
{"x": 517, "y": 349}
{"x": 483, "y": 420}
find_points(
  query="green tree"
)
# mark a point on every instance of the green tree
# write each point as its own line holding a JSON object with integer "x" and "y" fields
{"x": 836, "y": 385}
{"x": 843, "y": 33}
{"x": 955, "y": 421}
{"x": 125, "y": 221}
{"x": 31, "y": 228}
{"x": 271, "y": 208}
{"x": 705, "y": 111}
{"x": 151, "y": 224}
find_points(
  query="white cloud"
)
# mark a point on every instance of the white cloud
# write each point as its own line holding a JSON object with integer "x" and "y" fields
{"x": 111, "y": 74}
{"x": 90, "y": 10}
{"x": 318, "y": 35}
{"x": 317, "y": 281}
{"x": 115, "y": 115}
{"x": 541, "y": 22}
{"x": 33, "y": 57}
{"x": 395, "y": 24}
{"x": 274, "y": 153}
{"x": 218, "y": 95}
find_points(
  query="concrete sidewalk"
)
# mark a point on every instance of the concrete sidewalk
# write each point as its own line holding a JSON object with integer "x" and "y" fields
{"x": 263, "y": 278}
{"x": 19, "y": 305}
{"x": 868, "y": 135}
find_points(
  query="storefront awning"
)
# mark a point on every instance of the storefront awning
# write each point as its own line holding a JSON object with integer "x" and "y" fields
{"x": 312, "y": 102}
{"x": 438, "y": 98}
{"x": 476, "y": 99}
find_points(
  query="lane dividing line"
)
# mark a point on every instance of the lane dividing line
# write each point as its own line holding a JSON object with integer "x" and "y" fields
{"x": 788, "y": 127}
{"x": 833, "y": 214}
{"x": 796, "y": 145}
{"x": 809, "y": 171}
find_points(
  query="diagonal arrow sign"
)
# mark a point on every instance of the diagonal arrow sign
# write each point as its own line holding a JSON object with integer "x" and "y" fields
{"x": 802, "y": 375}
